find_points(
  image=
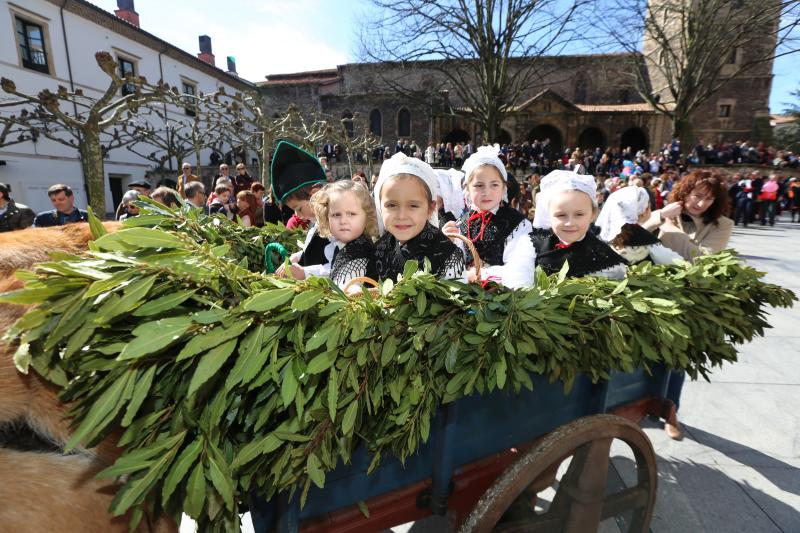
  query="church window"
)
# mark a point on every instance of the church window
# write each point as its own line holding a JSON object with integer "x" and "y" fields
{"x": 725, "y": 110}
{"x": 375, "y": 123}
{"x": 404, "y": 123}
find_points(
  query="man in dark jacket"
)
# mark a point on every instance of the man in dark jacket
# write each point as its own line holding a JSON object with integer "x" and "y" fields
{"x": 65, "y": 211}
{"x": 13, "y": 215}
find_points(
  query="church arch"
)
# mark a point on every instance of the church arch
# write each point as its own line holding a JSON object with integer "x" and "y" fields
{"x": 592, "y": 138}
{"x": 456, "y": 135}
{"x": 634, "y": 137}
{"x": 548, "y": 131}
{"x": 503, "y": 137}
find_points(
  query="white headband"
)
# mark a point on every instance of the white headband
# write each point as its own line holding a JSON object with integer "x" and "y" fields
{"x": 560, "y": 181}
{"x": 400, "y": 163}
{"x": 623, "y": 206}
{"x": 486, "y": 155}
{"x": 450, "y": 190}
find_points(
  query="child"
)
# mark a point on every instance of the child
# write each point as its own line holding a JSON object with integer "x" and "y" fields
{"x": 344, "y": 210}
{"x": 500, "y": 234}
{"x": 619, "y": 222}
{"x": 246, "y": 206}
{"x": 450, "y": 200}
{"x": 296, "y": 176}
{"x": 405, "y": 202}
{"x": 565, "y": 208}
{"x": 220, "y": 202}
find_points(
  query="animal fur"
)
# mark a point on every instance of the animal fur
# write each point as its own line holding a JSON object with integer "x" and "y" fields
{"x": 46, "y": 491}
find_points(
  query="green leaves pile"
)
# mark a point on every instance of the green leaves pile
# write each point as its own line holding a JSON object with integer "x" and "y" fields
{"x": 224, "y": 381}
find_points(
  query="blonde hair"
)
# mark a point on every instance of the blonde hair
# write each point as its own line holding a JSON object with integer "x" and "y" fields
{"x": 321, "y": 202}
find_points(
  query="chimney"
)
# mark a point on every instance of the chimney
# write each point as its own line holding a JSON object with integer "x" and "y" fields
{"x": 232, "y": 66}
{"x": 127, "y": 12}
{"x": 205, "y": 50}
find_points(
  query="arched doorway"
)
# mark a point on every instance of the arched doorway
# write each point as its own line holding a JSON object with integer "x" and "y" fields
{"x": 457, "y": 135}
{"x": 634, "y": 137}
{"x": 592, "y": 138}
{"x": 503, "y": 137}
{"x": 546, "y": 131}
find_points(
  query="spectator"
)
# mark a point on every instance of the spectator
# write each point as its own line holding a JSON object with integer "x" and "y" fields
{"x": 222, "y": 181}
{"x": 131, "y": 209}
{"x": 258, "y": 191}
{"x": 196, "y": 195}
{"x": 166, "y": 196}
{"x": 65, "y": 212}
{"x": 793, "y": 193}
{"x": 13, "y": 216}
{"x": 142, "y": 187}
{"x": 769, "y": 200}
{"x": 242, "y": 180}
{"x": 224, "y": 172}
{"x": 185, "y": 177}
{"x": 220, "y": 203}
{"x": 246, "y": 207}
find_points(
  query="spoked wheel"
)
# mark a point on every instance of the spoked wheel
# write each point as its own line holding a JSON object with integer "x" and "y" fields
{"x": 580, "y": 502}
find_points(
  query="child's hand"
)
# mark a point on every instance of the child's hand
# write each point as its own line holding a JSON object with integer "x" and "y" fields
{"x": 451, "y": 228}
{"x": 291, "y": 269}
{"x": 471, "y": 276}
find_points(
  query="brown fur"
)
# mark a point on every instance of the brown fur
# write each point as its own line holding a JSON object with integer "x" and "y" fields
{"x": 41, "y": 491}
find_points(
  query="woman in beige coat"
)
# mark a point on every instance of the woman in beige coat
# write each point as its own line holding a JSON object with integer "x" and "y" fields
{"x": 692, "y": 224}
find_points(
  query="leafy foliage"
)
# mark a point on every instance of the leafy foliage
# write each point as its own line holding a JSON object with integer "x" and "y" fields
{"x": 225, "y": 381}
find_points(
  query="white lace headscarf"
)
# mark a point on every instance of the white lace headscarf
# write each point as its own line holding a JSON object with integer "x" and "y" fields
{"x": 450, "y": 189}
{"x": 560, "y": 181}
{"x": 400, "y": 163}
{"x": 486, "y": 155}
{"x": 623, "y": 206}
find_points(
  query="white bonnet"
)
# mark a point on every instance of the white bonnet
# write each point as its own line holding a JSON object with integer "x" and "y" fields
{"x": 623, "y": 206}
{"x": 486, "y": 155}
{"x": 400, "y": 163}
{"x": 450, "y": 190}
{"x": 560, "y": 181}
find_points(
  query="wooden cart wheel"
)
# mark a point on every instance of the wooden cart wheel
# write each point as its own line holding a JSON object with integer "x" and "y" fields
{"x": 581, "y": 502}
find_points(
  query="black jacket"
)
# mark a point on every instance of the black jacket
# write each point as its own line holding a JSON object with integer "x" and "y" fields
{"x": 17, "y": 216}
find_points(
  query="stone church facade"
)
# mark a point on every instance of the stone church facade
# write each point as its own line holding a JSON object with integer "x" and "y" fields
{"x": 584, "y": 101}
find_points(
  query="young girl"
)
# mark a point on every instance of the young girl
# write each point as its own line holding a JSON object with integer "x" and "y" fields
{"x": 499, "y": 233}
{"x": 296, "y": 176}
{"x": 345, "y": 211}
{"x": 246, "y": 205}
{"x": 405, "y": 197}
{"x": 565, "y": 208}
{"x": 619, "y": 222}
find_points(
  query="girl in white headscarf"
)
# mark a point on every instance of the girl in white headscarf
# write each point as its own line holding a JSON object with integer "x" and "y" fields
{"x": 405, "y": 200}
{"x": 565, "y": 210}
{"x": 619, "y": 222}
{"x": 500, "y": 234}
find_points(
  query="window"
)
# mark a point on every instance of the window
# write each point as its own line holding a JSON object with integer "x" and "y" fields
{"x": 189, "y": 102}
{"x": 347, "y": 122}
{"x": 30, "y": 38}
{"x": 624, "y": 96}
{"x": 724, "y": 110}
{"x": 126, "y": 68}
{"x": 733, "y": 55}
{"x": 375, "y": 122}
{"x": 404, "y": 123}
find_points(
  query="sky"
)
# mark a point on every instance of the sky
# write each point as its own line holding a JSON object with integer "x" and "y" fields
{"x": 279, "y": 36}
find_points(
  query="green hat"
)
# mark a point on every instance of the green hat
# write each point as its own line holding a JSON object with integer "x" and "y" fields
{"x": 292, "y": 169}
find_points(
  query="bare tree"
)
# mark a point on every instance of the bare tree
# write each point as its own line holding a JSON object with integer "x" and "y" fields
{"x": 91, "y": 125}
{"x": 485, "y": 52}
{"x": 692, "y": 48}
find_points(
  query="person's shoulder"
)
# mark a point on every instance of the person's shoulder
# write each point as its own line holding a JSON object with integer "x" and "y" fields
{"x": 45, "y": 218}
{"x": 725, "y": 222}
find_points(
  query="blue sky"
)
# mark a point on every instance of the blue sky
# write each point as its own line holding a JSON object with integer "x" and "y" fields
{"x": 276, "y": 36}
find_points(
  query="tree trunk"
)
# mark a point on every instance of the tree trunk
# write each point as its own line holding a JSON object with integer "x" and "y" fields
{"x": 682, "y": 129}
{"x": 263, "y": 157}
{"x": 91, "y": 152}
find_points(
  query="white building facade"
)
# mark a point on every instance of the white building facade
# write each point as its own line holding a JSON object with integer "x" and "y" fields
{"x": 48, "y": 44}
